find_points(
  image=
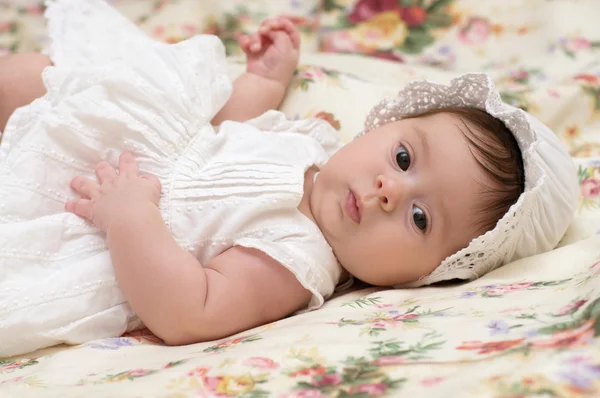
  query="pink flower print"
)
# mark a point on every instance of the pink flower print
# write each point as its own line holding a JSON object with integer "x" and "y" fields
{"x": 198, "y": 372}
{"x": 569, "y": 308}
{"x": 520, "y": 74}
{"x": 137, "y": 372}
{"x": 189, "y": 29}
{"x": 261, "y": 363}
{"x": 389, "y": 360}
{"x": 489, "y": 347}
{"x": 244, "y": 19}
{"x": 34, "y": 9}
{"x": 212, "y": 382}
{"x": 515, "y": 287}
{"x": 367, "y": 9}
{"x": 5, "y": 26}
{"x": 387, "y": 55}
{"x": 405, "y": 316}
{"x": 432, "y": 381}
{"x": 327, "y": 380}
{"x": 511, "y": 309}
{"x": 10, "y": 366}
{"x": 14, "y": 380}
{"x": 413, "y": 16}
{"x": 494, "y": 292}
{"x": 305, "y": 394}
{"x": 577, "y": 360}
{"x": 476, "y": 31}
{"x": 315, "y": 370}
{"x": 590, "y": 188}
{"x": 523, "y": 285}
{"x": 587, "y": 78}
{"x": 339, "y": 41}
{"x": 158, "y": 31}
{"x": 569, "y": 338}
{"x": 575, "y": 44}
{"x": 312, "y": 72}
{"x": 231, "y": 342}
{"x": 373, "y": 389}
{"x": 553, "y": 93}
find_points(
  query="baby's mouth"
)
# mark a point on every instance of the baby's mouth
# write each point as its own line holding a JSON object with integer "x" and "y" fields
{"x": 352, "y": 208}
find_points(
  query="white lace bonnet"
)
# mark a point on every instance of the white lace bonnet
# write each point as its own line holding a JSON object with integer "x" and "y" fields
{"x": 541, "y": 215}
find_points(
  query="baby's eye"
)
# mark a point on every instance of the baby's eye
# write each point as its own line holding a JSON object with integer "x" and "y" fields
{"x": 403, "y": 158}
{"x": 419, "y": 218}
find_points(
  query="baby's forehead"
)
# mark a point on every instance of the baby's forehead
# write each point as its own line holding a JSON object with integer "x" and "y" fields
{"x": 475, "y": 130}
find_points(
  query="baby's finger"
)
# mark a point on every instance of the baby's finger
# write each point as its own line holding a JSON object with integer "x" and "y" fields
{"x": 269, "y": 24}
{"x": 85, "y": 187}
{"x": 105, "y": 172}
{"x": 80, "y": 207}
{"x": 244, "y": 42}
{"x": 256, "y": 45}
{"x": 290, "y": 28}
{"x": 251, "y": 42}
{"x": 128, "y": 165}
{"x": 280, "y": 38}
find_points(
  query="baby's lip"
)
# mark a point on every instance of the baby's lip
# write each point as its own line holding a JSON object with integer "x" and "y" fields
{"x": 359, "y": 205}
{"x": 352, "y": 207}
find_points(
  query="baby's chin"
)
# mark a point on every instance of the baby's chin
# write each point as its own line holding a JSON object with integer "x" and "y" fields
{"x": 385, "y": 274}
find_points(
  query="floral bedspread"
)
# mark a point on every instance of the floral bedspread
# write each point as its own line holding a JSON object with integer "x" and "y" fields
{"x": 530, "y": 328}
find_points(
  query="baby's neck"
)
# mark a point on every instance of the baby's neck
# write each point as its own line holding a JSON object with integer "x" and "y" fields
{"x": 309, "y": 182}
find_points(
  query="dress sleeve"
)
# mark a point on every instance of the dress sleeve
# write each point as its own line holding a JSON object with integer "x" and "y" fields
{"x": 310, "y": 259}
{"x": 318, "y": 129}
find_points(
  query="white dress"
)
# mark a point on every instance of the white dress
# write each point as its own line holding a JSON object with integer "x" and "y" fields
{"x": 112, "y": 88}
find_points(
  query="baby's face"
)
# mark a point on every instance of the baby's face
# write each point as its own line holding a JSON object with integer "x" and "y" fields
{"x": 394, "y": 203}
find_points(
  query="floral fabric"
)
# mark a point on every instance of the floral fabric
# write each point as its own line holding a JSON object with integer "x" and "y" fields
{"x": 530, "y": 328}
{"x": 544, "y": 53}
{"x": 22, "y": 27}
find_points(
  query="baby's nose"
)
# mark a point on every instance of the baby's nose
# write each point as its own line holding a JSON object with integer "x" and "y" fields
{"x": 389, "y": 192}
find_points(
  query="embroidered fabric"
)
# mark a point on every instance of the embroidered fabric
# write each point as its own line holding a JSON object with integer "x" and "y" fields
{"x": 540, "y": 217}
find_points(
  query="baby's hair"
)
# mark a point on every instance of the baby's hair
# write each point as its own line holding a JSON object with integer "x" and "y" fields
{"x": 496, "y": 150}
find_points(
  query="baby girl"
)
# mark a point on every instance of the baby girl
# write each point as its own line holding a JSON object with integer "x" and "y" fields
{"x": 196, "y": 209}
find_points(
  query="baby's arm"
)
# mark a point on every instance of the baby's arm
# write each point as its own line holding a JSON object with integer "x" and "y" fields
{"x": 272, "y": 56}
{"x": 183, "y": 302}
{"x": 176, "y": 297}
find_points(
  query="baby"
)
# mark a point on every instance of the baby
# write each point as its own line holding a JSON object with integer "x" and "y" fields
{"x": 199, "y": 211}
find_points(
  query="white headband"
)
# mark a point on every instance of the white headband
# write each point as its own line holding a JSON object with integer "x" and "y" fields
{"x": 541, "y": 215}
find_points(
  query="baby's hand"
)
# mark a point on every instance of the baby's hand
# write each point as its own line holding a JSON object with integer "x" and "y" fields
{"x": 273, "y": 51}
{"x": 117, "y": 195}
